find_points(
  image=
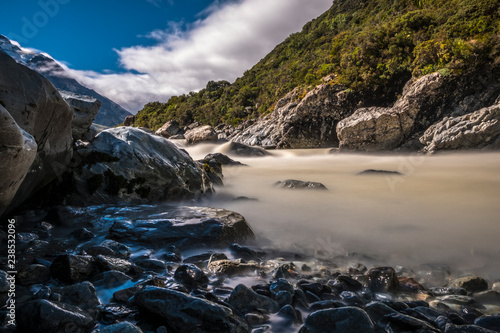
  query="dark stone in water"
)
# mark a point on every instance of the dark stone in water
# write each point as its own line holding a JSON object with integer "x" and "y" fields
{"x": 489, "y": 322}
{"x": 299, "y": 184}
{"x": 191, "y": 276}
{"x": 81, "y": 294}
{"x": 121, "y": 250}
{"x": 377, "y": 312}
{"x": 154, "y": 265}
{"x": 72, "y": 268}
{"x": 202, "y": 259}
{"x": 382, "y": 279}
{"x": 82, "y": 234}
{"x": 123, "y": 327}
{"x": 246, "y": 300}
{"x": 42, "y": 316}
{"x": 445, "y": 291}
{"x": 100, "y": 250}
{"x": 398, "y": 322}
{"x": 244, "y": 252}
{"x": 222, "y": 159}
{"x": 105, "y": 263}
{"x": 110, "y": 279}
{"x": 345, "y": 283}
{"x": 290, "y": 315}
{"x": 183, "y": 313}
{"x": 328, "y": 304}
{"x": 33, "y": 274}
{"x": 472, "y": 284}
{"x": 341, "y": 320}
{"x": 379, "y": 172}
{"x": 244, "y": 150}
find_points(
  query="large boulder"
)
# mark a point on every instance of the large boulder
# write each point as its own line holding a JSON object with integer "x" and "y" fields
{"x": 85, "y": 109}
{"x": 18, "y": 150}
{"x": 169, "y": 129}
{"x": 301, "y": 122}
{"x": 201, "y": 134}
{"x": 476, "y": 130}
{"x": 127, "y": 164}
{"x": 184, "y": 313}
{"x": 38, "y": 108}
{"x": 184, "y": 227}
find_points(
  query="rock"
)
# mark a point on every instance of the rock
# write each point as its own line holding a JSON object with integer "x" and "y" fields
{"x": 152, "y": 265}
{"x": 489, "y": 322}
{"x": 185, "y": 227}
{"x": 72, "y": 268}
{"x": 398, "y": 322}
{"x": 451, "y": 328}
{"x": 124, "y": 295}
{"x": 38, "y": 108}
{"x": 18, "y": 149}
{"x": 378, "y": 311}
{"x": 184, "y": 313}
{"x": 84, "y": 108}
{"x": 4, "y": 283}
{"x": 245, "y": 252}
{"x": 378, "y": 128}
{"x": 104, "y": 263}
{"x": 470, "y": 283}
{"x": 382, "y": 279}
{"x": 246, "y": 300}
{"x": 123, "y": 327}
{"x": 81, "y": 294}
{"x": 177, "y": 137}
{"x": 241, "y": 149}
{"x": 301, "y": 122}
{"x": 82, "y": 234}
{"x": 121, "y": 250}
{"x": 126, "y": 164}
{"x": 231, "y": 267}
{"x": 169, "y": 129}
{"x": 342, "y": 320}
{"x": 129, "y": 120}
{"x": 290, "y": 315}
{"x": 379, "y": 172}
{"x": 299, "y": 185}
{"x": 201, "y": 260}
{"x": 33, "y": 274}
{"x": 222, "y": 159}
{"x": 476, "y": 130}
{"x": 214, "y": 171}
{"x": 191, "y": 276}
{"x": 110, "y": 279}
{"x": 41, "y": 316}
{"x": 444, "y": 291}
{"x": 201, "y": 134}
{"x": 100, "y": 250}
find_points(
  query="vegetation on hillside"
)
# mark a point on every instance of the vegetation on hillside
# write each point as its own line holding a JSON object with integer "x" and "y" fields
{"x": 370, "y": 46}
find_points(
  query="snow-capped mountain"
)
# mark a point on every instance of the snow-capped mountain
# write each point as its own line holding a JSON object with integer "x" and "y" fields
{"x": 110, "y": 113}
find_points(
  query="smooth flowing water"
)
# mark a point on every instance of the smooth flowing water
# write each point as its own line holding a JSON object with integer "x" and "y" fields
{"x": 444, "y": 209}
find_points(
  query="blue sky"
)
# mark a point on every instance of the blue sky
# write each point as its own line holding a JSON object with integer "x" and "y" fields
{"x": 136, "y": 51}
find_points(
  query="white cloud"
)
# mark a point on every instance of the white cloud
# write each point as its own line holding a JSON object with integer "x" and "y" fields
{"x": 231, "y": 38}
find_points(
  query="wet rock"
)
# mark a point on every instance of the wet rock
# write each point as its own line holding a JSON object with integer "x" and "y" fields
{"x": 121, "y": 250}
{"x": 151, "y": 265}
{"x": 479, "y": 129}
{"x": 222, "y": 159}
{"x": 342, "y": 320}
{"x": 82, "y": 234}
{"x": 241, "y": 149}
{"x": 129, "y": 120}
{"x": 489, "y": 322}
{"x": 123, "y": 327}
{"x": 100, "y": 250}
{"x": 244, "y": 252}
{"x": 105, "y": 263}
{"x": 382, "y": 279}
{"x": 33, "y": 274}
{"x": 41, "y": 316}
{"x": 183, "y": 313}
{"x": 400, "y": 323}
{"x": 85, "y": 109}
{"x": 255, "y": 318}
{"x": 72, "y": 268}
{"x": 379, "y": 172}
{"x": 352, "y": 299}
{"x": 410, "y": 285}
{"x": 298, "y": 184}
{"x": 172, "y": 254}
{"x": 246, "y": 300}
{"x": 201, "y": 260}
{"x": 185, "y": 227}
{"x": 110, "y": 279}
{"x": 345, "y": 283}
{"x": 81, "y": 294}
{"x": 444, "y": 291}
{"x": 177, "y": 137}
{"x": 423, "y": 312}
{"x": 126, "y": 164}
{"x": 451, "y": 328}
{"x": 487, "y": 297}
{"x": 201, "y": 134}
{"x": 281, "y": 285}
{"x": 377, "y": 312}
{"x": 124, "y": 295}
{"x": 328, "y": 304}
{"x": 290, "y": 315}
{"x": 168, "y": 129}
{"x": 285, "y": 271}
{"x": 214, "y": 171}
{"x": 470, "y": 283}
{"x": 191, "y": 276}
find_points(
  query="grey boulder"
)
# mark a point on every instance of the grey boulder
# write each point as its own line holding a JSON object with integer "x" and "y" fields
{"x": 85, "y": 109}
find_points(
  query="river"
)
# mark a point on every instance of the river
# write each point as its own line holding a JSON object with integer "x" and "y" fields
{"x": 443, "y": 210}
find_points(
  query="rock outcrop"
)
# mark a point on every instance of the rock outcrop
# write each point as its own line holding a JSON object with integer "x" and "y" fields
{"x": 476, "y": 130}
{"x": 296, "y": 122}
{"x": 201, "y": 134}
{"x": 37, "y": 108}
{"x": 85, "y": 109}
{"x": 170, "y": 128}
{"x": 127, "y": 164}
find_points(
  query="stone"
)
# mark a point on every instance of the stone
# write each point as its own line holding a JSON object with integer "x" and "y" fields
{"x": 185, "y": 227}
{"x": 84, "y": 108}
{"x": 129, "y": 120}
{"x": 82, "y": 294}
{"x": 4, "y": 283}
{"x": 451, "y": 328}
{"x": 342, "y": 320}
{"x": 184, "y": 313}
{"x": 231, "y": 267}
{"x": 496, "y": 287}
{"x": 70, "y": 268}
{"x": 379, "y": 172}
{"x": 382, "y": 279}
{"x": 191, "y": 276}
{"x": 398, "y": 322}
{"x": 110, "y": 279}
{"x": 444, "y": 291}
{"x": 489, "y": 322}
{"x": 201, "y": 134}
{"x": 126, "y": 164}
{"x": 121, "y": 250}
{"x": 377, "y": 311}
{"x": 241, "y": 149}
{"x": 124, "y": 295}
{"x": 222, "y": 159}
{"x": 246, "y": 300}
{"x": 152, "y": 265}
{"x": 18, "y": 149}
{"x": 169, "y": 129}
{"x": 33, "y": 274}
{"x": 105, "y": 263}
{"x": 38, "y": 108}
{"x": 123, "y": 327}
{"x": 100, "y": 250}
{"x": 41, "y": 316}
{"x": 471, "y": 284}
{"x": 299, "y": 185}
{"x": 301, "y": 121}
{"x": 475, "y": 130}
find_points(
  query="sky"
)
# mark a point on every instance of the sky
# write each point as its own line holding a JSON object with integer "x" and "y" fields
{"x": 138, "y": 51}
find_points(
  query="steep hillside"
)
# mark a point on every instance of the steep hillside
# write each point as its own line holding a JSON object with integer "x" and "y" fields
{"x": 371, "y": 46}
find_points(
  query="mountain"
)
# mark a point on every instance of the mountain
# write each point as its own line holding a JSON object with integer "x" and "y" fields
{"x": 372, "y": 47}
{"x": 110, "y": 113}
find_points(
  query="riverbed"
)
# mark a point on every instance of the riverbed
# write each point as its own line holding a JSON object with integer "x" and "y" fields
{"x": 441, "y": 210}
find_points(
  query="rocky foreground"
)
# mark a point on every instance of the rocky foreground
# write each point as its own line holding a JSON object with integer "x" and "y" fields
{"x": 118, "y": 268}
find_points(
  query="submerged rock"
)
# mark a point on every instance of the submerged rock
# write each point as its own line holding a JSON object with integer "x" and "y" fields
{"x": 379, "y": 172}
{"x": 299, "y": 185}
{"x": 241, "y": 149}
{"x": 222, "y": 159}
{"x": 183, "y": 313}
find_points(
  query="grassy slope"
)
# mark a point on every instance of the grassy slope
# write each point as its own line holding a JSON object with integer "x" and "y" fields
{"x": 371, "y": 46}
